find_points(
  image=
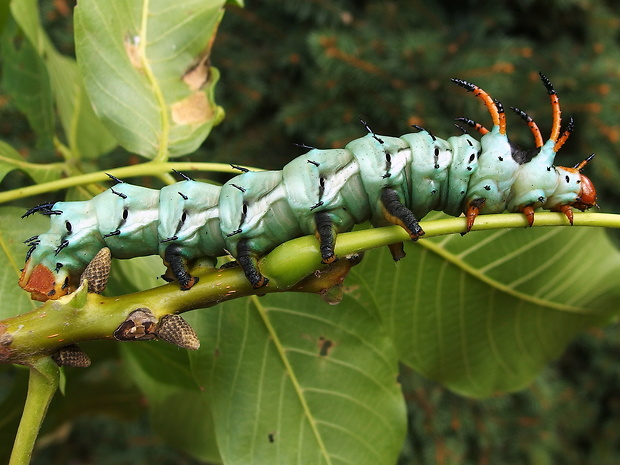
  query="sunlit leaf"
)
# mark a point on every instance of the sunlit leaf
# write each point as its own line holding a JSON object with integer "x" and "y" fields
{"x": 146, "y": 68}
{"x": 179, "y": 408}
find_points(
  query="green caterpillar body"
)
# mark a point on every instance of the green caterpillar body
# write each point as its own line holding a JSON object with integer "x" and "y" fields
{"x": 387, "y": 180}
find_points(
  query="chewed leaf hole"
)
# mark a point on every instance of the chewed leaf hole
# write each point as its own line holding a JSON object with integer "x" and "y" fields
{"x": 325, "y": 346}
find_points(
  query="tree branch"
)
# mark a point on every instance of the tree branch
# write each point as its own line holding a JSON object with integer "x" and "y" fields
{"x": 292, "y": 266}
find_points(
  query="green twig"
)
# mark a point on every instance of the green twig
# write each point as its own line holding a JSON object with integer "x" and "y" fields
{"x": 81, "y": 316}
{"x": 42, "y": 385}
{"x": 144, "y": 169}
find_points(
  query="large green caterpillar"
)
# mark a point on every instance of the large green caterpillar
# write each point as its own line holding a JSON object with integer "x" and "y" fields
{"x": 387, "y": 180}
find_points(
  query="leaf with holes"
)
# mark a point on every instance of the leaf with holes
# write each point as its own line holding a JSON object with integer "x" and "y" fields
{"x": 299, "y": 381}
{"x": 146, "y": 69}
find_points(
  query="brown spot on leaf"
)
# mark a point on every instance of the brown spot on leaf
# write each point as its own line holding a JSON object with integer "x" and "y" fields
{"x": 325, "y": 346}
{"x": 132, "y": 48}
{"x": 194, "y": 109}
{"x": 198, "y": 75}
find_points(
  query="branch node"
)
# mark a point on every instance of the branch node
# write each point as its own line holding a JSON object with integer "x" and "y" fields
{"x": 175, "y": 330}
{"x": 98, "y": 271}
{"x": 71, "y": 356}
{"x": 140, "y": 325}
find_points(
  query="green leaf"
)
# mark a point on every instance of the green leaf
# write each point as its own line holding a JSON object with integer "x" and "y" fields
{"x": 179, "y": 408}
{"x": 146, "y": 69}
{"x": 13, "y": 232}
{"x": 86, "y": 135}
{"x": 300, "y": 381}
{"x": 485, "y": 312}
{"x": 26, "y": 80}
{"x": 10, "y": 160}
{"x": 137, "y": 274}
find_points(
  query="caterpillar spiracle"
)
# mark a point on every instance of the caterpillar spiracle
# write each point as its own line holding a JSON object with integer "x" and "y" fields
{"x": 387, "y": 180}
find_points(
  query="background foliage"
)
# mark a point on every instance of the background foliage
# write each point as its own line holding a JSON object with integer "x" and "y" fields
{"x": 305, "y": 71}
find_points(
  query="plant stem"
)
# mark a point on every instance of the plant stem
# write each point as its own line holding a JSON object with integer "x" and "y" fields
{"x": 42, "y": 385}
{"x": 144, "y": 169}
{"x": 82, "y": 316}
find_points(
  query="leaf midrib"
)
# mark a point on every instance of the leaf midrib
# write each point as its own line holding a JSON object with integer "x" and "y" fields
{"x": 479, "y": 275}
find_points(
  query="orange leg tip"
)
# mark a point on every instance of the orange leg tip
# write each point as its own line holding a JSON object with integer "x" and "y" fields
{"x": 261, "y": 282}
{"x": 416, "y": 235}
{"x": 330, "y": 259}
{"x": 191, "y": 283}
{"x": 568, "y": 211}
{"x": 528, "y": 211}
{"x": 472, "y": 213}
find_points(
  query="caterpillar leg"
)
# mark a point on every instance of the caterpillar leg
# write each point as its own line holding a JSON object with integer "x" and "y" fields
{"x": 249, "y": 264}
{"x": 177, "y": 263}
{"x": 397, "y": 250}
{"x": 473, "y": 210}
{"x": 528, "y": 211}
{"x": 568, "y": 211}
{"x": 326, "y": 234}
{"x": 397, "y": 213}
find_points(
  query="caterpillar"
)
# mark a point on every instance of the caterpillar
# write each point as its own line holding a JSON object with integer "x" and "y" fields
{"x": 387, "y": 180}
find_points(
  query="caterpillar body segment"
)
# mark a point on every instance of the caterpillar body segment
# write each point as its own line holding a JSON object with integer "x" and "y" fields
{"x": 465, "y": 159}
{"x": 255, "y": 214}
{"x": 188, "y": 213}
{"x": 386, "y": 180}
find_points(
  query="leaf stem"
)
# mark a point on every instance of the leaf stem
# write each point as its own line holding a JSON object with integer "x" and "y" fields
{"x": 42, "y": 385}
{"x": 144, "y": 169}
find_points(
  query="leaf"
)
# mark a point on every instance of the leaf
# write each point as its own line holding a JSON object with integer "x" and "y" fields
{"x": 26, "y": 80}
{"x": 146, "y": 68}
{"x": 84, "y": 132}
{"x": 485, "y": 312}
{"x": 10, "y": 160}
{"x": 179, "y": 408}
{"x": 137, "y": 274}
{"x": 13, "y": 232}
{"x": 299, "y": 381}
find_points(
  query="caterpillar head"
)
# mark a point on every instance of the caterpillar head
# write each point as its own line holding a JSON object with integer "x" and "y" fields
{"x": 57, "y": 258}
{"x": 574, "y": 190}
{"x": 43, "y": 275}
{"x": 587, "y": 194}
